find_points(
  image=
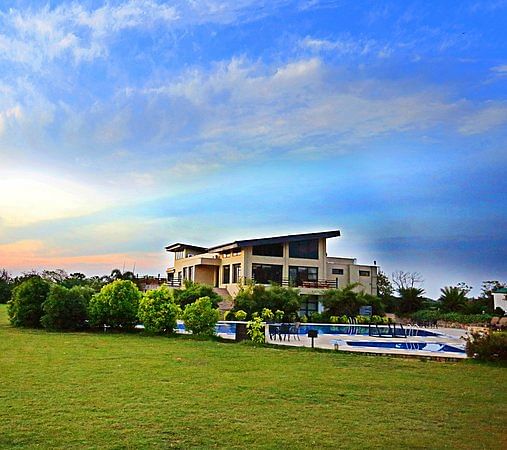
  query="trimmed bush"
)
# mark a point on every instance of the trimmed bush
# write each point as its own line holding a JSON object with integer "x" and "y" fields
{"x": 66, "y": 309}
{"x": 25, "y": 307}
{"x": 158, "y": 312}
{"x": 116, "y": 305}
{"x": 430, "y": 315}
{"x": 200, "y": 317}
{"x": 194, "y": 291}
{"x": 488, "y": 347}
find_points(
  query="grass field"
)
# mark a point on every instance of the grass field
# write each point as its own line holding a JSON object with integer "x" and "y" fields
{"x": 130, "y": 391}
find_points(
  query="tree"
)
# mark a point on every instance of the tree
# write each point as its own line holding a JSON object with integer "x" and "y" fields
{"x": 200, "y": 317}
{"x": 411, "y": 299}
{"x": 117, "y": 274}
{"x": 158, "y": 311}
{"x": 116, "y": 305}
{"x": 5, "y": 286}
{"x": 25, "y": 308}
{"x": 406, "y": 280}
{"x": 453, "y": 298}
{"x": 66, "y": 309}
{"x": 385, "y": 288}
{"x": 346, "y": 301}
{"x": 193, "y": 291}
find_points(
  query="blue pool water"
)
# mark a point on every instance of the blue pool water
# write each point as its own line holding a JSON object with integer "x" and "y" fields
{"x": 363, "y": 330}
{"x": 424, "y": 346}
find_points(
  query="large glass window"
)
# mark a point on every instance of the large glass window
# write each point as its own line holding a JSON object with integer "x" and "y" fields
{"x": 304, "y": 249}
{"x": 299, "y": 274}
{"x": 309, "y": 306}
{"x": 268, "y": 250}
{"x": 226, "y": 274}
{"x": 267, "y": 273}
{"x": 236, "y": 273}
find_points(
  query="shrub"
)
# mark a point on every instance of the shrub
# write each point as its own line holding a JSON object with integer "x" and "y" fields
{"x": 425, "y": 315}
{"x": 346, "y": 301}
{"x": 255, "y": 329}
{"x": 5, "y": 286}
{"x": 488, "y": 347}
{"x": 200, "y": 317}
{"x": 279, "y": 314}
{"x": 66, "y": 309}
{"x": 158, "y": 312}
{"x": 240, "y": 315}
{"x": 116, "y": 305}
{"x": 25, "y": 307}
{"x": 193, "y": 291}
{"x": 267, "y": 314}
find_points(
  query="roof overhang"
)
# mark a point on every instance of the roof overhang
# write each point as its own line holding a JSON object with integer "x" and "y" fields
{"x": 179, "y": 247}
{"x": 274, "y": 240}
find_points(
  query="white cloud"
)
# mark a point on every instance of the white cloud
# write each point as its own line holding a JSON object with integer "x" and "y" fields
{"x": 492, "y": 115}
{"x": 344, "y": 46}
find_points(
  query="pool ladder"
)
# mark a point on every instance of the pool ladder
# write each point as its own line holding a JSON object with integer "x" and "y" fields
{"x": 391, "y": 331}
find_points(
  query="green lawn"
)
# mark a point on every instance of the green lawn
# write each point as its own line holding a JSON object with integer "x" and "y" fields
{"x": 131, "y": 391}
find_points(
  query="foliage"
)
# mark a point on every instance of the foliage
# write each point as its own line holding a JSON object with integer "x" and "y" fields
{"x": 80, "y": 279}
{"x": 66, "y": 309}
{"x": 385, "y": 288}
{"x": 411, "y": 299}
{"x": 253, "y": 298}
{"x": 201, "y": 317}
{"x": 194, "y": 291}
{"x": 255, "y": 329}
{"x": 5, "y": 286}
{"x": 158, "y": 311}
{"x": 279, "y": 314}
{"x": 346, "y": 301}
{"x": 267, "y": 314}
{"x": 488, "y": 346}
{"x": 25, "y": 307}
{"x": 453, "y": 298}
{"x": 425, "y": 315}
{"x": 240, "y": 315}
{"x": 116, "y": 305}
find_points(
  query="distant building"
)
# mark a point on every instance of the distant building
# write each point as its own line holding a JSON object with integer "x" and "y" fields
{"x": 500, "y": 299}
{"x": 298, "y": 260}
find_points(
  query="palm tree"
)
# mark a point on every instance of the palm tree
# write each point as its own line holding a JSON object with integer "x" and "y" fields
{"x": 116, "y": 274}
{"x": 453, "y": 299}
{"x": 411, "y": 299}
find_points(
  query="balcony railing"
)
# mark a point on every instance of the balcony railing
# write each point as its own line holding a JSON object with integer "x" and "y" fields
{"x": 310, "y": 284}
{"x": 174, "y": 282}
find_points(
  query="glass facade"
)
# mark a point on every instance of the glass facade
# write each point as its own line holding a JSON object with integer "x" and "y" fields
{"x": 308, "y": 249}
{"x": 226, "y": 274}
{"x": 299, "y": 274}
{"x": 267, "y": 273}
{"x": 268, "y": 250}
{"x": 309, "y": 306}
{"x": 236, "y": 273}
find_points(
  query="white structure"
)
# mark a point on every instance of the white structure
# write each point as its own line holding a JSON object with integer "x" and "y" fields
{"x": 500, "y": 299}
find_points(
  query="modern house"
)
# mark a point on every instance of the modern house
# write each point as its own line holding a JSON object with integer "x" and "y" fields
{"x": 298, "y": 260}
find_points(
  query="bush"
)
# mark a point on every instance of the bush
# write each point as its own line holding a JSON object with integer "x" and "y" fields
{"x": 25, "y": 308}
{"x": 488, "y": 347}
{"x": 66, "y": 309}
{"x": 346, "y": 301}
{"x": 254, "y": 298}
{"x": 193, "y": 291}
{"x": 5, "y": 286}
{"x": 200, "y": 317}
{"x": 116, "y": 305}
{"x": 158, "y": 312}
{"x": 255, "y": 329}
{"x": 240, "y": 315}
{"x": 425, "y": 315}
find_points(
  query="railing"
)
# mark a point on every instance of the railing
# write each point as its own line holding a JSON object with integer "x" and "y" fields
{"x": 311, "y": 284}
{"x": 174, "y": 282}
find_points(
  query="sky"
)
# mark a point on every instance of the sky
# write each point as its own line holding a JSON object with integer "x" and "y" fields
{"x": 127, "y": 125}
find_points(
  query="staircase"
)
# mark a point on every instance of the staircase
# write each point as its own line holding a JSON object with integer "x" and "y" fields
{"x": 227, "y": 302}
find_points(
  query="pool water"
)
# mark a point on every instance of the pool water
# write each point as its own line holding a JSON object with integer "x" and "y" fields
{"x": 418, "y": 346}
{"x": 363, "y": 330}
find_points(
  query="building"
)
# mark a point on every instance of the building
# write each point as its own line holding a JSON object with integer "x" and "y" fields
{"x": 298, "y": 260}
{"x": 500, "y": 299}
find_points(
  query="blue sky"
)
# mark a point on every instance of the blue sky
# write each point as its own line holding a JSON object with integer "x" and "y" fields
{"x": 127, "y": 125}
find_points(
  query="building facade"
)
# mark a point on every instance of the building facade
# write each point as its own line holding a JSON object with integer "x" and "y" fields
{"x": 299, "y": 261}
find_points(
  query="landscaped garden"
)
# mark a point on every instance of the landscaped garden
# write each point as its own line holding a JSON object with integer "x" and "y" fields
{"x": 117, "y": 390}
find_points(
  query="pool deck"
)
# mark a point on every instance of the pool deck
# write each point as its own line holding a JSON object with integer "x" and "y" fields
{"x": 450, "y": 336}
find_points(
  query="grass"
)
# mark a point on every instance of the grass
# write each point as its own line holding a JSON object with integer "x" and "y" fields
{"x": 94, "y": 390}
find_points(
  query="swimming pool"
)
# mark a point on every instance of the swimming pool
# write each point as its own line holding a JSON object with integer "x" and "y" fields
{"x": 415, "y": 346}
{"x": 363, "y": 330}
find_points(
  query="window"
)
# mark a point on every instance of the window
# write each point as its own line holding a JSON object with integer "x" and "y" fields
{"x": 309, "y": 306}
{"x": 236, "y": 273}
{"x": 236, "y": 252}
{"x": 304, "y": 249}
{"x": 190, "y": 273}
{"x": 184, "y": 273}
{"x": 298, "y": 275}
{"x": 268, "y": 250}
{"x": 178, "y": 255}
{"x": 267, "y": 273}
{"x": 364, "y": 273}
{"x": 226, "y": 274}
{"x": 337, "y": 271}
